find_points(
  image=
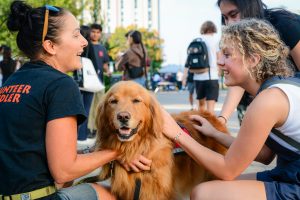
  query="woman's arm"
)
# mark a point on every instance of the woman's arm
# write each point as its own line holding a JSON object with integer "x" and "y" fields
{"x": 61, "y": 145}
{"x": 64, "y": 162}
{"x": 233, "y": 97}
{"x": 295, "y": 53}
{"x": 265, "y": 156}
{"x": 261, "y": 116}
{"x": 184, "y": 77}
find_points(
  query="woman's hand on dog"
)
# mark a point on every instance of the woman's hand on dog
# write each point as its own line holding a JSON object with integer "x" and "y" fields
{"x": 140, "y": 163}
{"x": 204, "y": 126}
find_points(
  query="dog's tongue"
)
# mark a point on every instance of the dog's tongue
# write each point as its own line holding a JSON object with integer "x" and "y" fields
{"x": 125, "y": 131}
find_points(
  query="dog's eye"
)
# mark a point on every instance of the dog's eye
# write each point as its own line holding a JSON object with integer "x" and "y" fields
{"x": 114, "y": 101}
{"x": 136, "y": 101}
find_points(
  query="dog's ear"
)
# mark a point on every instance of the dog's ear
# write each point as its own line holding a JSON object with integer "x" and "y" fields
{"x": 156, "y": 116}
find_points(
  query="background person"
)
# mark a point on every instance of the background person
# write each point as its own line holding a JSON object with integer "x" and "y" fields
{"x": 207, "y": 83}
{"x": 42, "y": 108}
{"x": 286, "y": 23}
{"x": 188, "y": 82}
{"x": 7, "y": 65}
{"x": 100, "y": 59}
{"x": 251, "y": 53}
{"x": 134, "y": 58}
{"x": 83, "y": 131}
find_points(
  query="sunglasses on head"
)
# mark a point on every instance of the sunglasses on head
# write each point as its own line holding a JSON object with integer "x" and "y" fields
{"x": 45, "y": 28}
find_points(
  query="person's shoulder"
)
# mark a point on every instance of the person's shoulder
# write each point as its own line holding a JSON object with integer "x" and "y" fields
{"x": 281, "y": 17}
{"x": 44, "y": 70}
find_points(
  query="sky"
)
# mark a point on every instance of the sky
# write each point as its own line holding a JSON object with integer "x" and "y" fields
{"x": 181, "y": 20}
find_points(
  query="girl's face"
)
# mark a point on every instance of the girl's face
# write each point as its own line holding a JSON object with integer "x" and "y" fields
{"x": 230, "y": 12}
{"x": 95, "y": 35}
{"x": 70, "y": 46}
{"x": 230, "y": 60}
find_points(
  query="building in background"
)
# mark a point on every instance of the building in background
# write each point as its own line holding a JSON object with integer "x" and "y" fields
{"x": 142, "y": 13}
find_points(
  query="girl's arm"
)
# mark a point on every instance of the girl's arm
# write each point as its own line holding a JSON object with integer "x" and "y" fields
{"x": 265, "y": 156}
{"x": 261, "y": 116}
{"x": 233, "y": 97}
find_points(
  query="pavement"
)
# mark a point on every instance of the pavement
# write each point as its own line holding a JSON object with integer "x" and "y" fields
{"x": 177, "y": 101}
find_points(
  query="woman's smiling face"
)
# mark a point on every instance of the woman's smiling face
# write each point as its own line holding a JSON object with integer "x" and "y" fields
{"x": 230, "y": 12}
{"x": 70, "y": 46}
{"x": 231, "y": 62}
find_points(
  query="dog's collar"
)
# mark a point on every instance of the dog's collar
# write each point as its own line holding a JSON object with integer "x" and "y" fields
{"x": 126, "y": 137}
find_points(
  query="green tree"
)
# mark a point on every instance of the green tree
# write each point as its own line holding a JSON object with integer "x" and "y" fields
{"x": 152, "y": 41}
{"x": 8, "y": 38}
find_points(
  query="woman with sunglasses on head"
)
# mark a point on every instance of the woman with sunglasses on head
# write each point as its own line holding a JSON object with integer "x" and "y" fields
{"x": 41, "y": 108}
{"x": 285, "y": 22}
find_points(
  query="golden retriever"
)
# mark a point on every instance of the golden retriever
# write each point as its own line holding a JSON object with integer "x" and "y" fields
{"x": 129, "y": 120}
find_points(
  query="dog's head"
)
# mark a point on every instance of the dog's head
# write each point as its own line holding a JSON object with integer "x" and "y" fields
{"x": 128, "y": 111}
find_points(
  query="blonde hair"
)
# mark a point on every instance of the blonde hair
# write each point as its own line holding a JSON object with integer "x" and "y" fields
{"x": 253, "y": 36}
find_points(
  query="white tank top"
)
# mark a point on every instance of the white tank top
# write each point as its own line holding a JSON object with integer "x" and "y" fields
{"x": 291, "y": 126}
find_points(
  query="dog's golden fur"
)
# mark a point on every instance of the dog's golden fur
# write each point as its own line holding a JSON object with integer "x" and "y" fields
{"x": 128, "y": 108}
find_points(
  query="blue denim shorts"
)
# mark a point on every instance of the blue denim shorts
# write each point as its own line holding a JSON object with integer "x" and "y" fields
{"x": 282, "y": 182}
{"x": 78, "y": 192}
{"x": 140, "y": 80}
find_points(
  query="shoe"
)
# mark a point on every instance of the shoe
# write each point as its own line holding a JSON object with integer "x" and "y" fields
{"x": 83, "y": 145}
{"x": 92, "y": 134}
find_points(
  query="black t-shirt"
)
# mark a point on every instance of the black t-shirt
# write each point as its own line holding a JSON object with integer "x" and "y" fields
{"x": 288, "y": 27}
{"x": 99, "y": 57}
{"x": 33, "y": 96}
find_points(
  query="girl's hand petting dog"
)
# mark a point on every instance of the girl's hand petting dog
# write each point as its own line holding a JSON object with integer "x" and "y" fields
{"x": 140, "y": 163}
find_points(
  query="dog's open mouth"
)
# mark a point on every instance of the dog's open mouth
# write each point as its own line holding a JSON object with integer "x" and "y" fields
{"x": 125, "y": 133}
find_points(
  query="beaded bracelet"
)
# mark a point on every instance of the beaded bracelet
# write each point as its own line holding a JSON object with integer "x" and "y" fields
{"x": 177, "y": 136}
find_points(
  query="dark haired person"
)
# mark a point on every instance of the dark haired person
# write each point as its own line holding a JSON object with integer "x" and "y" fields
{"x": 98, "y": 55}
{"x": 133, "y": 60}
{"x": 100, "y": 59}
{"x": 285, "y": 22}
{"x": 41, "y": 108}
{"x": 7, "y": 65}
{"x": 251, "y": 54}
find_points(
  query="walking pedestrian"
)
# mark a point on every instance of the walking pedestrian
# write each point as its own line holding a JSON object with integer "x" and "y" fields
{"x": 133, "y": 61}
{"x": 207, "y": 83}
{"x": 189, "y": 83}
{"x": 7, "y": 65}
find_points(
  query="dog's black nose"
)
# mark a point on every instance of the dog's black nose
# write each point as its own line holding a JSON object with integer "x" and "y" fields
{"x": 123, "y": 116}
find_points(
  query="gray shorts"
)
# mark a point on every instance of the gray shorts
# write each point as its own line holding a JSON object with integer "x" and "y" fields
{"x": 78, "y": 192}
{"x": 191, "y": 87}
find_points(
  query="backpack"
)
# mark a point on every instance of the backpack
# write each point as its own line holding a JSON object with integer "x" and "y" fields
{"x": 197, "y": 59}
{"x": 289, "y": 80}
